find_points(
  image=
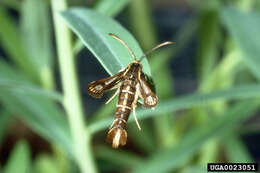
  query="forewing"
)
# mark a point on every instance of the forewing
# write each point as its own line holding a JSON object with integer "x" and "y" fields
{"x": 97, "y": 88}
{"x": 149, "y": 98}
{"x": 149, "y": 81}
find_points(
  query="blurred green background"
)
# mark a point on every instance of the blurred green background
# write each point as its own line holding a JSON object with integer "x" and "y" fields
{"x": 207, "y": 84}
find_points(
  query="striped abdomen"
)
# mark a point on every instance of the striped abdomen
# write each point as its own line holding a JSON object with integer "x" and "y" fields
{"x": 117, "y": 133}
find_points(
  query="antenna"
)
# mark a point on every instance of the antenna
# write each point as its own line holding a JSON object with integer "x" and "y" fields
{"x": 130, "y": 50}
{"x": 156, "y": 47}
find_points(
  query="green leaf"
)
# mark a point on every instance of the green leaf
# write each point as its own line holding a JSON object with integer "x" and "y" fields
{"x": 194, "y": 169}
{"x": 244, "y": 28}
{"x": 111, "y": 7}
{"x": 164, "y": 89}
{"x": 36, "y": 34}
{"x": 183, "y": 36}
{"x": 35, "y": 108}
{"x": 13, "y": 45}
{"x": 93, "y": 29}
{"x": 140, "y": 17}
{"x": 176, "y": 156}
{"x": 5, "y": 121}
{"x": 41, "y": 114}
{"x": 237, "y": 150}
{"x": 184, "y": 102}
{"x": 14, "y": 81}
{"x": 209, "y": 39}
{"x": 45, "y": 163}
{"x": 63, "y": 162}
{"x": 117, "y": 157}
{"x": 14, "y": 4}
{"x": 20, "y": 159}
{"x": 18, "y": 87}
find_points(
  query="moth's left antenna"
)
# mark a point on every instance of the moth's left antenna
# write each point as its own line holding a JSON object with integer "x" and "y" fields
{"x": 130, "y": 50}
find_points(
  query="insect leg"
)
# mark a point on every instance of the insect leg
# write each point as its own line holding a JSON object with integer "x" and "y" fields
{"x": 134, "y": 106}
{"x": 111, "y": 98}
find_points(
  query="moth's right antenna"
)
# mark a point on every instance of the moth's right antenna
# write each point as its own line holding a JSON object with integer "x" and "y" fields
{"x": 156, "y": 47}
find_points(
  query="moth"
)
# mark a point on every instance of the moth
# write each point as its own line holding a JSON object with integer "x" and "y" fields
{"x": 131, "y": 83}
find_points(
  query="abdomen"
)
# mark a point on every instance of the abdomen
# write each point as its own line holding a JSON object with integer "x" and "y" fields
{"x": 117, "y": 133}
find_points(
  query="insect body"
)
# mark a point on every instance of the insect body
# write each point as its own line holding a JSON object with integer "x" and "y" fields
{"x": 131, "y": 84}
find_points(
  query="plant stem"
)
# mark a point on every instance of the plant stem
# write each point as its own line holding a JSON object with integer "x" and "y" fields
{"x": 72, "y": 101}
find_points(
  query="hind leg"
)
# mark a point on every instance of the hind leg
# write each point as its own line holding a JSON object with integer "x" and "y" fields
{"x": 134, "y": 106}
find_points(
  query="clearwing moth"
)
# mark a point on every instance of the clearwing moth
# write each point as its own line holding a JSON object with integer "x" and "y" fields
{"x": 131, "y": 83}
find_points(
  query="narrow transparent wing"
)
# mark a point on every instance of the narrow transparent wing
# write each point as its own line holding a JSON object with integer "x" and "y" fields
{"x": 97, "y": 88}
{"x": 149, "y": 98}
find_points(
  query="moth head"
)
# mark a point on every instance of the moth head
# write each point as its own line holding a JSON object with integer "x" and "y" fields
{"x": 137, "y": 65}
{"x": 134, "y": 69}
